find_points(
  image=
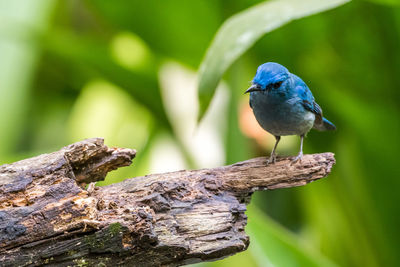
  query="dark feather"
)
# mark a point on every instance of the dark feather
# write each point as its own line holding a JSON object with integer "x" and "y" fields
{"x": 314, "y": 108}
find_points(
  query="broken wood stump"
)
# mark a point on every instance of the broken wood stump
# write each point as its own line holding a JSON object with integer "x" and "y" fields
{"x": 170, "y": 219}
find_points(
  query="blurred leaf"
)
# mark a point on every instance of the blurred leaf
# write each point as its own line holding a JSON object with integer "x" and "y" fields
{"x": 272, "y": 245}
{"x": 130, "y": 51}
{"x": 237, "y": 146}
{"x": 105, "y": 110}
{"x": 170, "y": 28}
{"x": 18, "y": 61}
{"x": 96, "y": 59}
{"x": 242, "y": 259}
{"x": 386, "y": 2}
{"x": 241, "y": 31}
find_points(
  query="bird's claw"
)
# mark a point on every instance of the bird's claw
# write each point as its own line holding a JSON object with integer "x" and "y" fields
{"x": 297, "y": 158}
{"x": 272, "y": 159}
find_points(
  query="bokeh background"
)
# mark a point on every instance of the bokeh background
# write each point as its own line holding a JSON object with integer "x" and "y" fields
{"x": 127, "y": 71}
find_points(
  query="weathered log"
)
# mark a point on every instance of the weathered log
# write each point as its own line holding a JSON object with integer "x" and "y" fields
{"x": 176, "y": 218}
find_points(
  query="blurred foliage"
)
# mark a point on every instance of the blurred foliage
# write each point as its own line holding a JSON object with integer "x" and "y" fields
{"x": 75, "y": 69}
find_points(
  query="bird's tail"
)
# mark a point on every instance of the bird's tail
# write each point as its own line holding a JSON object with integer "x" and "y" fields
{"x": 325, "y": 126}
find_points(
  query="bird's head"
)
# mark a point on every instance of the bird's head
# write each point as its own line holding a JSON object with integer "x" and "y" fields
{"x": 269, "y": 76}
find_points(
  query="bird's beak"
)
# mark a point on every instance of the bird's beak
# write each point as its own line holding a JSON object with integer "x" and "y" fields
{"x": 254, "y": 87}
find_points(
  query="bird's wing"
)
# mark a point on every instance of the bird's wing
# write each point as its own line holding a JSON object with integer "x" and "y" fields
{"x": 314, "y": 108}
{"x": 307, "y": 99}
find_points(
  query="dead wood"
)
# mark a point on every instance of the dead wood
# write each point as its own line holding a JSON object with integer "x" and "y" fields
{"x": 177, "y": 218}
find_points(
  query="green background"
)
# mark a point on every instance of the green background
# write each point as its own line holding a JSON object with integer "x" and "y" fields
{"x": 127, "y": 71}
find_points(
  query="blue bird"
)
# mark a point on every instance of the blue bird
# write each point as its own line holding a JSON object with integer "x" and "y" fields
{"x": 284, "y": 105}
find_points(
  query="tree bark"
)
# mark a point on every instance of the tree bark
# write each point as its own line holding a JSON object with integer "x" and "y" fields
{"x": 169, "y": 219}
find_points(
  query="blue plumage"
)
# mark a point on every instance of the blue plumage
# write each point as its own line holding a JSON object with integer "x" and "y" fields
{"x": 284, "y": 105}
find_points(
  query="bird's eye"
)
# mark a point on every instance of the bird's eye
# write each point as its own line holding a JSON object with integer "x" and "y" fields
{"x": 277, "y": 85}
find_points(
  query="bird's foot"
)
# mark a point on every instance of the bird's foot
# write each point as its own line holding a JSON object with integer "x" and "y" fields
{"x": 297, "y": 158}
{"x": 272, "y": 159}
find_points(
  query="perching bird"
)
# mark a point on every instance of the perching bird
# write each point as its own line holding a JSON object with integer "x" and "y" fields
{"x": 284, "y": 105}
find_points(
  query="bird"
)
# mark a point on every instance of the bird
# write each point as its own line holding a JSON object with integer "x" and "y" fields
{"x": 284, "y": 105}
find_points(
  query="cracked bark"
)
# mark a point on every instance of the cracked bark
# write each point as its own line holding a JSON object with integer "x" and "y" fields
{"x": 171, "y": 219}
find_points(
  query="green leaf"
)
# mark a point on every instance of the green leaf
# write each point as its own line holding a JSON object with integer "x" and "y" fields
{"x": 272, "y": 245}
{"x": 242, "y": 30}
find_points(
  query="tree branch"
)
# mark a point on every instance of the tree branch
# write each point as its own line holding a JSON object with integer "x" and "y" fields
{"x": 176, "y": 218}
